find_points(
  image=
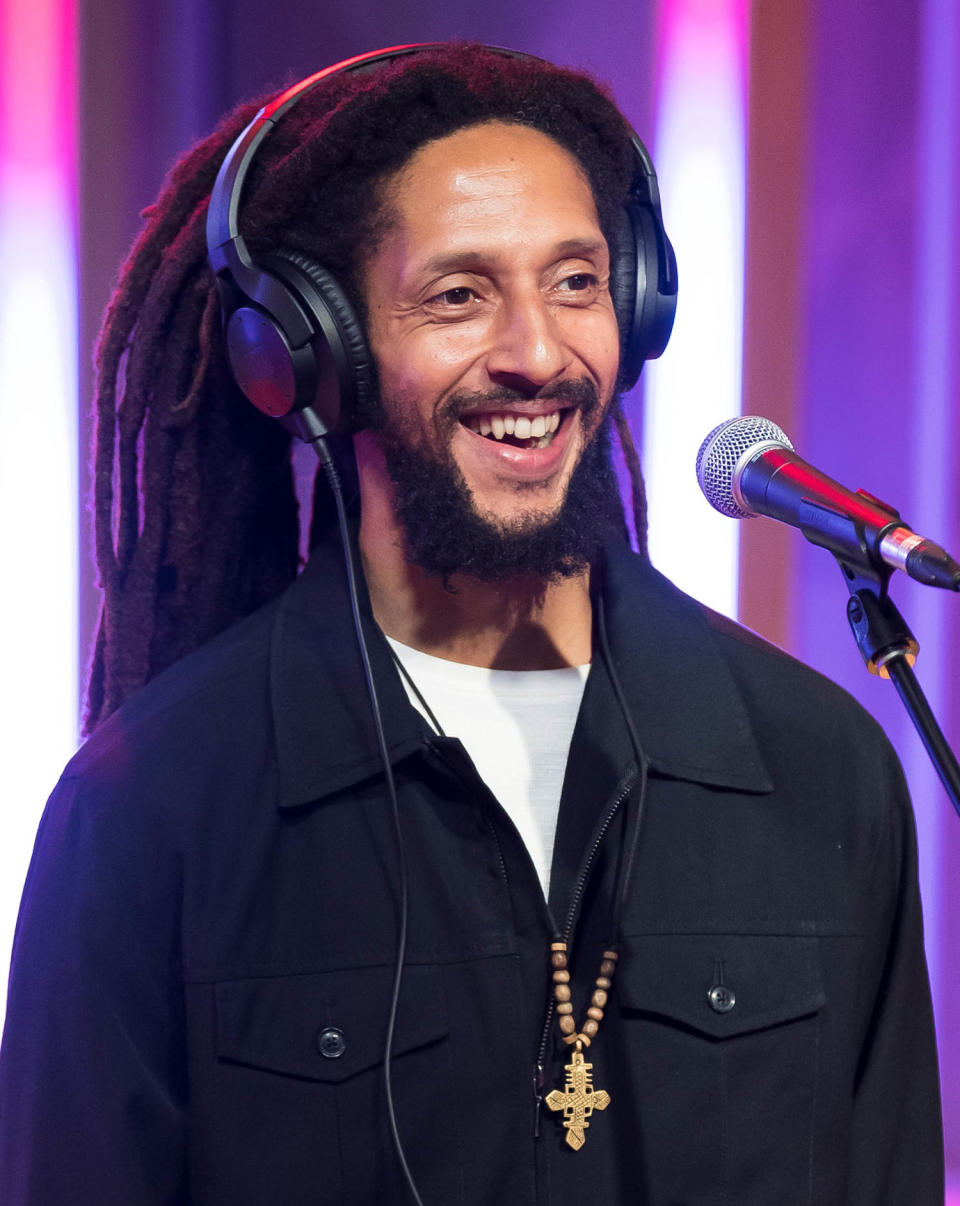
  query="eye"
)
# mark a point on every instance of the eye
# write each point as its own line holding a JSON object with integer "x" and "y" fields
{"x": 456, "y": 298}
{"x": 579, "y": 282}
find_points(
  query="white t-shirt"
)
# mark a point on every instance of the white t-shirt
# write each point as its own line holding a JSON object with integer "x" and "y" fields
{"x": 516, "y": 725}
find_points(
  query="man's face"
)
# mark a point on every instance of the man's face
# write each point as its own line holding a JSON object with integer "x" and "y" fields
{"x": 491, "y": 323}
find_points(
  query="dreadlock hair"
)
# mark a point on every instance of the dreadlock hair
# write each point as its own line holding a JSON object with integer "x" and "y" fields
{"x": 196, "y": 518}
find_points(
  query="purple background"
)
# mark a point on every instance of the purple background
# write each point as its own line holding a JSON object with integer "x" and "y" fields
{"x": 852, "y": 284}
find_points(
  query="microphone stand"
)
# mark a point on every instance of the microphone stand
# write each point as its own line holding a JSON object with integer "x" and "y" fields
{"x": 889, "y": 650}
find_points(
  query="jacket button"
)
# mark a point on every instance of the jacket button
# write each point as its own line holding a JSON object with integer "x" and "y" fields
{"x": 721, "y": 998}
{"x": 330, "y": 1043}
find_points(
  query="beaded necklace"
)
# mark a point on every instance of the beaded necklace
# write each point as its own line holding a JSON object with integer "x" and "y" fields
{"x": 578, "y": 1098}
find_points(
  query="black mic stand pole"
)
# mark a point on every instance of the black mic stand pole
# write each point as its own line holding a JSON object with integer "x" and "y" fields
{"x": 889, "y": 650}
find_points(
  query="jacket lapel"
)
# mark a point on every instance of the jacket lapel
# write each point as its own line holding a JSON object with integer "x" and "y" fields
{"x": 323, "y": 723}
{"x": 687, "y": 707}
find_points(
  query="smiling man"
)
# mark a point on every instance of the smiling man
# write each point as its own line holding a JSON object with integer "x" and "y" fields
{"x": 636, "y": 903}
{"x": 496, "y": 343}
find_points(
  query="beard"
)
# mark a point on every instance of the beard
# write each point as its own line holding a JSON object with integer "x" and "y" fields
{"x": 445, "y": 532}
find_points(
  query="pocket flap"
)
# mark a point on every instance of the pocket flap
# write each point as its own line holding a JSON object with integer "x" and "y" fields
{"x": 721, "y": 984}
{"x": 327, "y": 1026}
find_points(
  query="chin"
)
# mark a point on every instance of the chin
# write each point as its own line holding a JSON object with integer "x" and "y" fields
{"x": 449, "y": 531}
{"x": 522, "y": 510}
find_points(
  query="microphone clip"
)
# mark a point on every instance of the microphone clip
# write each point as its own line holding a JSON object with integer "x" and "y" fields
{"x": 879, "y": 629}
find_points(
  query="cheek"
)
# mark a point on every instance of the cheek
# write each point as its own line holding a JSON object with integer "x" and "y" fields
{"x": 594, "y": 337}
{"x": 429, "y": 364}
{"x": 447, "y": 352}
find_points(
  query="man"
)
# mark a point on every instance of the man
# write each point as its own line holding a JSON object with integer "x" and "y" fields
{"x": 682, "y": 965}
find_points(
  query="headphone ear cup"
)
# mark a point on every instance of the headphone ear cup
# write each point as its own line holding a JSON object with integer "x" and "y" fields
{"x": 645, "y": 283}
{"x": 623, "y": 281}
{"x": 338, "y": 383}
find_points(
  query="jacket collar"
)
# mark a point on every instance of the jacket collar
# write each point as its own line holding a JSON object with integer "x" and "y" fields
{"x": 681, "y": 693}
{"x": 323, "y": 725}
{"x": 684, "y": 700}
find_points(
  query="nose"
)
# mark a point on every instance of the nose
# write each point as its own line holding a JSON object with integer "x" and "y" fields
{"x": 528, "y": 349}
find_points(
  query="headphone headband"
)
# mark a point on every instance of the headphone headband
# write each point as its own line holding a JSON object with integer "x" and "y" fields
{"x": 222, "y": 220}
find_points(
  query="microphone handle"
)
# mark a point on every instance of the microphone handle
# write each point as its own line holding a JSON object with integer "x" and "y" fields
{"x": 857, "y": 528}
{"x": 782, "y": 485}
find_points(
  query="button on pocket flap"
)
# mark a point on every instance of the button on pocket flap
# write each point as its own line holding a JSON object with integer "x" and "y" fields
{"x": 327, "y": 1026}
{"x": 721, "y": 984}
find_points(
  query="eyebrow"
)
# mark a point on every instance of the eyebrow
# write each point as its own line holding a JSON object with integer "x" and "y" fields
{"x": 476, "y": 261}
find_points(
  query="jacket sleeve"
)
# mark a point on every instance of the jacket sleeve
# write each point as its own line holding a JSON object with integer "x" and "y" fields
{"x": 92, "y": 1072}
{"x": 897, "y": 1143}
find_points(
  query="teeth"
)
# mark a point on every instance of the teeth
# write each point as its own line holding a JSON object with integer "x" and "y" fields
{"x": 537, "y": 431}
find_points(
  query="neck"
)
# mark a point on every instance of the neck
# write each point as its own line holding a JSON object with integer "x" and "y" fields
{"x": 522, "y": 623}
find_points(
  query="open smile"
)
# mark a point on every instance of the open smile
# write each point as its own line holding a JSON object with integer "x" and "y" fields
{"x": 516, "y": 429}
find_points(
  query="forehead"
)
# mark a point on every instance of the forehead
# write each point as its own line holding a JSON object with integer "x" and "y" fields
{"x": 487, "y": 188}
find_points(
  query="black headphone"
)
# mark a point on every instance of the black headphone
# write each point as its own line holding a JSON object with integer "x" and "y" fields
{"x": 293, "y": 340}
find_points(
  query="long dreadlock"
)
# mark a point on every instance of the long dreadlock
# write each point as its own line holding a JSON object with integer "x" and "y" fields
{"x": 195, "y": 509}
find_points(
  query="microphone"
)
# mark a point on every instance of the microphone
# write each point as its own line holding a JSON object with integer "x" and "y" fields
{"x": 747, "y": 467}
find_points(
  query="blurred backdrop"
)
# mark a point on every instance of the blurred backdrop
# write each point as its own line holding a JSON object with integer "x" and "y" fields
{"x": 809, "y": 154}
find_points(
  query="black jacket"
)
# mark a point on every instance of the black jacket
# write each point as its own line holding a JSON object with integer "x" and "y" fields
{"x": 214, "y": 891}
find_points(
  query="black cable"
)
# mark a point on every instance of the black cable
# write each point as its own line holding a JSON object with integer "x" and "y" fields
{"x": 333, "y": 477}
{"x": 408, "y": 679}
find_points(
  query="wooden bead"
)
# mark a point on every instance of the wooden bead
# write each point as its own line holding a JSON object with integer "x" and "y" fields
{"x": 564, "y": 1006}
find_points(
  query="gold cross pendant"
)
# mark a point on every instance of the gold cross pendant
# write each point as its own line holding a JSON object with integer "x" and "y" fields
{"x": 578, "y": 1098}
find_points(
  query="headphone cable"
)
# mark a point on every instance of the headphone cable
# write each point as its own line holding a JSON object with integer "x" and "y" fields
{"x": 333, "y": 477}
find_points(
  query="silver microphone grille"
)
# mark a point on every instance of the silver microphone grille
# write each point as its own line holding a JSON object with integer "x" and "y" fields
{"x": 721, "y": 453}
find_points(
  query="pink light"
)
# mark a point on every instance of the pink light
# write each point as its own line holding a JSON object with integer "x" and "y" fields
{"x": 705, "y": 34}
{"x": 38, "y": 83}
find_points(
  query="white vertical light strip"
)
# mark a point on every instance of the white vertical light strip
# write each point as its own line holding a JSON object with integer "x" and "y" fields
{"x": 700, "y": 157}
{"x": 38, "y": 427}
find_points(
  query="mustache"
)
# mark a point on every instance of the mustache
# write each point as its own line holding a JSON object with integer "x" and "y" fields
{"x": 582, "y": 394}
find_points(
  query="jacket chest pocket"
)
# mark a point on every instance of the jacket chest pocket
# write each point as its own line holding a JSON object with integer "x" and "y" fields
{"x": 327, "y": 1026}
{"x": 301, "y": 1058}
{"x": 723, "y": 1032}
